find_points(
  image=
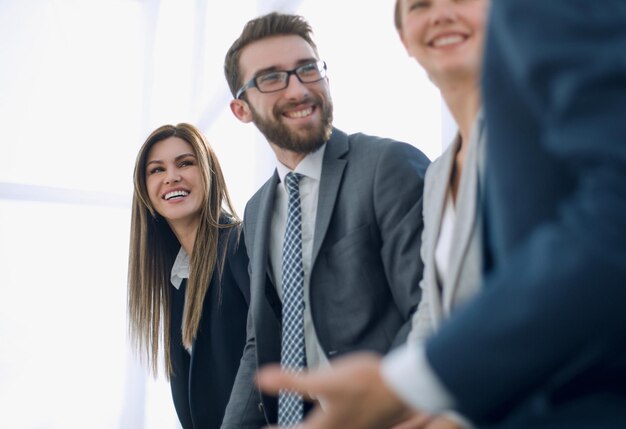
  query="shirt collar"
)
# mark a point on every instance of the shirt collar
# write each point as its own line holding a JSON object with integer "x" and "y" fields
{"x": 310, "y": 166}
{"x": 180, "y": 270}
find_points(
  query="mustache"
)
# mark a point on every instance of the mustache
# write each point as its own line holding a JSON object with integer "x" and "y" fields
{"x": 308, "y": 100}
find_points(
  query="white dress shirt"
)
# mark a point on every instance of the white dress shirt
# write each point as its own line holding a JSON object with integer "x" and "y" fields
{"x": 444, "y": 242}
{"x": 311, "y": 170}
{"x": 180, "y": 269}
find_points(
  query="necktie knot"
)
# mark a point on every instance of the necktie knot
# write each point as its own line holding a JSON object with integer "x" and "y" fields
{"x": 292, "y": 181}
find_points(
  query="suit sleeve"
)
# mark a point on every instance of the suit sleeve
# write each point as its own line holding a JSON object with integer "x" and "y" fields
{"x": 422, "y": 324}
{"x": 399, "y": 183}
{"x": 238, "y": 261}
{"x": 555, "y": 302}
{"x": 242, "y": 411}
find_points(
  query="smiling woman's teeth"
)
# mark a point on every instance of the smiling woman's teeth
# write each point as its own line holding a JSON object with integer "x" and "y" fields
{"x": 443, "y": 41}
{"x": 175, "y": 194}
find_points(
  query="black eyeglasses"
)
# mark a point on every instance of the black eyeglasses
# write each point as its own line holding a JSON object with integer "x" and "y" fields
{"x": 276, "y": 80}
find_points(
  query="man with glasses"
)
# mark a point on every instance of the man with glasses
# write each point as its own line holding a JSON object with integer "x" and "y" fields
{"x": 333, "y": 236}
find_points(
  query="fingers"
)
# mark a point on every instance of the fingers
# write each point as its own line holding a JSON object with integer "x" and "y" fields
{"x": 417, "y": 421}
{"x": 443, "y": 422}
{"x": 315, "y": 420}
{"x": 271, "y": 379}
{"x": 351, "y": 391}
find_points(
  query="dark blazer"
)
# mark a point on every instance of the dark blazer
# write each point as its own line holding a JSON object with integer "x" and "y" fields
{"x": 366, "y": 268}
{"x": 545, "y": 345}
{"x": 202, "y": 382}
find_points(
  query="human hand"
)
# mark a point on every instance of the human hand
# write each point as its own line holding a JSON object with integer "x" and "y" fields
{"x": 415, "y": 421}
{"x": 443, "y": 422}
{"x": 424, "y": 421}
{"x": 351, "y": 391}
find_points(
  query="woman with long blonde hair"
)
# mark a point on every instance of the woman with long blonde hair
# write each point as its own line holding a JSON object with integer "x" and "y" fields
{"x": 188, "y": 285}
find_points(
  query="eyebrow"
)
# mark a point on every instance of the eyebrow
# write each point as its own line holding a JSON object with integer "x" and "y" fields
{"x": 179, "y": 157}
{"x": 274, "y": 68}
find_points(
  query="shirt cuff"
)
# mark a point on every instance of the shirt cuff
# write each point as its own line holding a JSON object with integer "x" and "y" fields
{"x": 407, "y": 372}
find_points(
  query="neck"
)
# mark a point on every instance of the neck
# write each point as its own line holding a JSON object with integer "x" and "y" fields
{"x": 286, "y": 157}
{"x": 185, "y": 232}
{"x": 463, "y": 100}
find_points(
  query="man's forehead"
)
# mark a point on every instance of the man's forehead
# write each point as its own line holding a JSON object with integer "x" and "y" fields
{"x": 279, "y": 52}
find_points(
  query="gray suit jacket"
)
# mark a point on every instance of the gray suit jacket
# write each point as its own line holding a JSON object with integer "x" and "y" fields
{"x": 366, "y": 268}
{"x": 465, "y": 264}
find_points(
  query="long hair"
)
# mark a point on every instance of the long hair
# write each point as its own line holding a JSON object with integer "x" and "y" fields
{"x": 153, "y": 248}
{"x": 272, "y": 24}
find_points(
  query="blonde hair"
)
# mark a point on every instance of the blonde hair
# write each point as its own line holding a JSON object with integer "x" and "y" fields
{"x": 153, "y": 248}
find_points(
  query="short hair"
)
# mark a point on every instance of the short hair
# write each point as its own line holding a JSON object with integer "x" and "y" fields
{"x": 272, "y": 24}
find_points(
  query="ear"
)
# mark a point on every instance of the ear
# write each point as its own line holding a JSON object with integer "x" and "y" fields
{"x": 241, "y": 110}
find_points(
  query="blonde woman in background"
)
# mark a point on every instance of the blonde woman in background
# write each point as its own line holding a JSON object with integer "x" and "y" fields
{"x": 446, "y": 37}
{"x": 188, "y": 289}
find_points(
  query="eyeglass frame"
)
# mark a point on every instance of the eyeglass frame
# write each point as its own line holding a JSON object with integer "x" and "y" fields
{"x": 321, "y": 66}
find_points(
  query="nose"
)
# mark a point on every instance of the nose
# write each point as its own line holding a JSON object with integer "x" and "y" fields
{"x": 295, "y": 89}
{"x": 443, "y": 12}
{"x": 172, "y": 177}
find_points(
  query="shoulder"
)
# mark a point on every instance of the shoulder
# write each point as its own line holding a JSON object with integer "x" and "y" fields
{"x": 362, "y": 140}
{"x": 230, "y": 239}
{"x": 386, "y": 149}
{"x": 254, "y": 201}
{"x": 235, "y": 258}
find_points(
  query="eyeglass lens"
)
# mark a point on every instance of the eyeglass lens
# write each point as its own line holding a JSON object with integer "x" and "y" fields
{"x": 275, "y": 81}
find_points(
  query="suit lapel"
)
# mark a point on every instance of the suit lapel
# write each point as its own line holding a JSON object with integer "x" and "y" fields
{"x": 259, "y": 255}
{"x": 265, "y": 305}
{"x": 434, "y": 202}
{"x": 332, "y": 172}
{"x": 465, "y": 221}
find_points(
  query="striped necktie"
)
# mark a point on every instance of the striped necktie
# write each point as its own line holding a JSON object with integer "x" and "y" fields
{"x": 290, "y": 405}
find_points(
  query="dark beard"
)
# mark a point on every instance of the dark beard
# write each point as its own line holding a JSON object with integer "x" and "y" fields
{"x": 278, "y": 133}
